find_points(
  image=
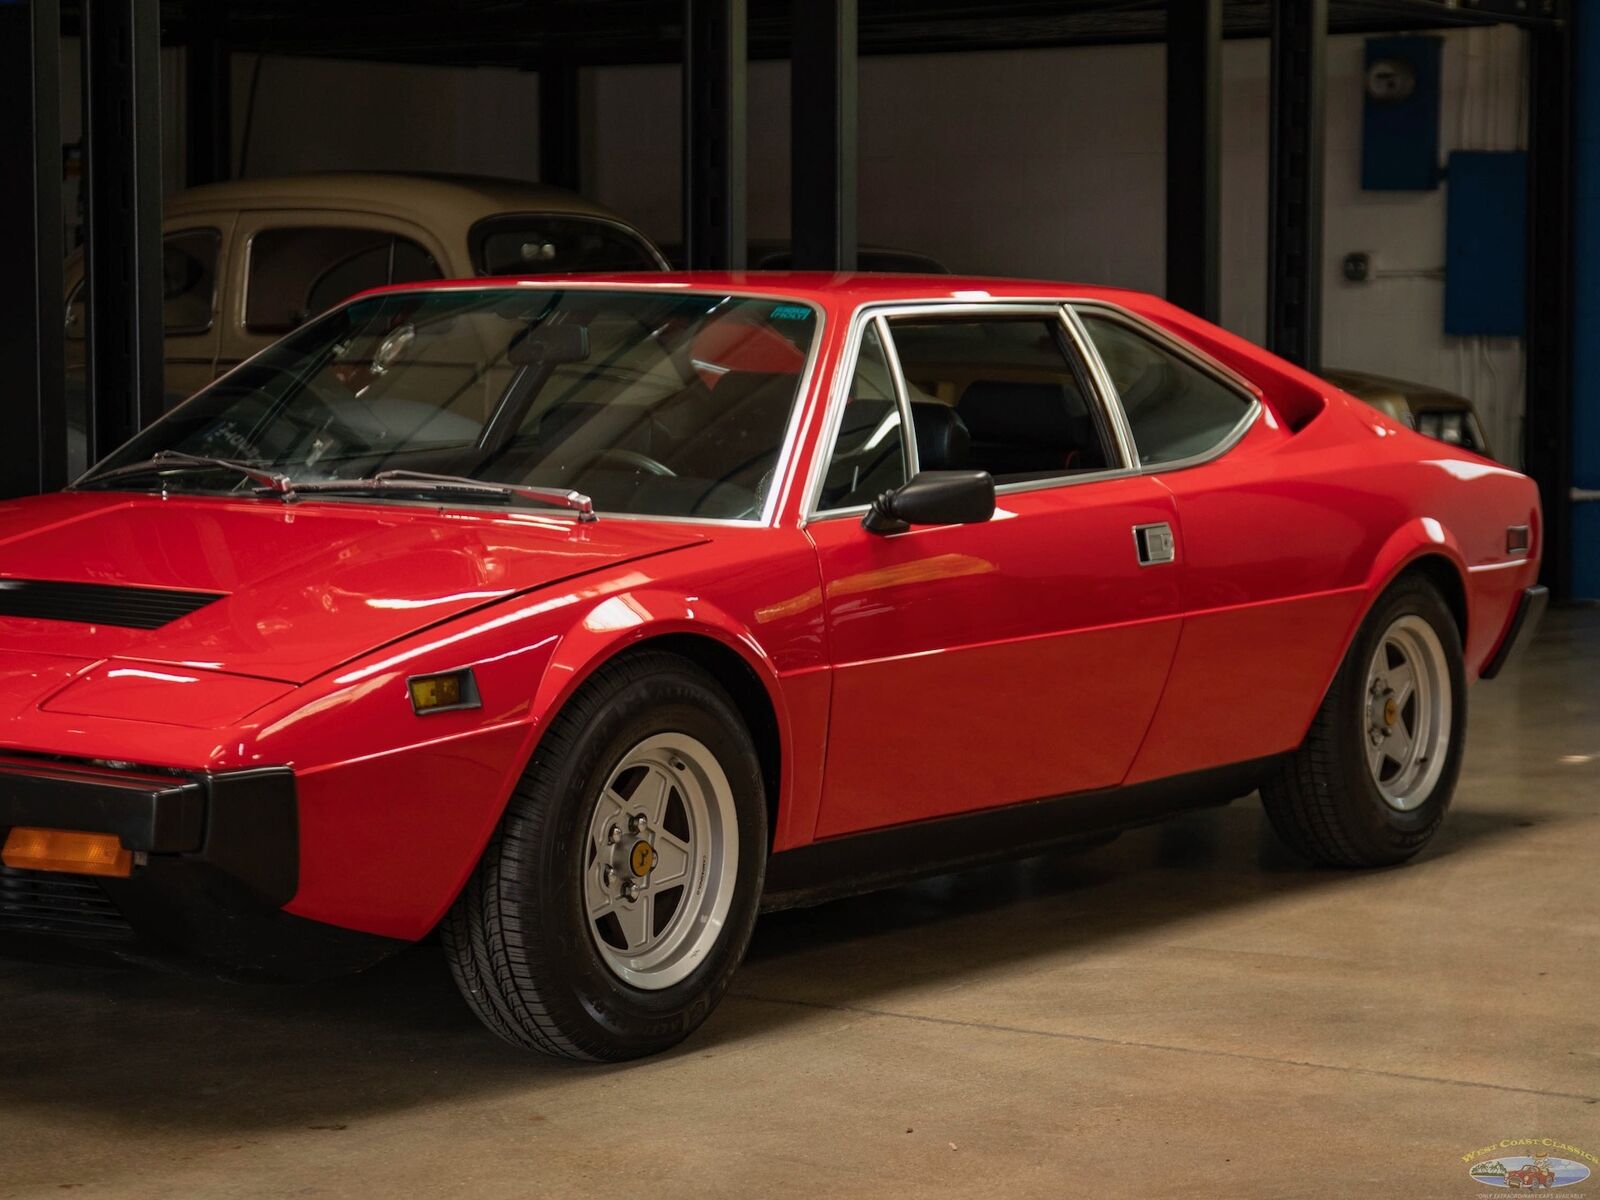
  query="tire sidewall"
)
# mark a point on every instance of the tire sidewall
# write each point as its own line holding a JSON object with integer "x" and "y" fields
{"x": 631, "y": 1021}
{"x": 1380, "y": 826}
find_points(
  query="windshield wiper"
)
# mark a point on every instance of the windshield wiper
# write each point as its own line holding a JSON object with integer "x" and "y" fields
{"x": 270, "y": 481}
{"x": 399, "y": 480}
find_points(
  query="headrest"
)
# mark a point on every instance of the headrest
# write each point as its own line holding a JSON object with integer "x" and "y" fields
{"x": 942, "y": 437}
{"x": 1000, "y": 411}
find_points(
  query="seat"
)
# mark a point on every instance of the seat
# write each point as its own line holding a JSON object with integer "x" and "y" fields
{"x": 943, "y": 441}
{"x": 1029, "y": 429}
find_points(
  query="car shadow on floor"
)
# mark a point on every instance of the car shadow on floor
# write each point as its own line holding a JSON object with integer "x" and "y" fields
{"x": 139, "y": 1048}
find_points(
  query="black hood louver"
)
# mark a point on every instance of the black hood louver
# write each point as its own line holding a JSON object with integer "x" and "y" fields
{"x": 99, "y": 603}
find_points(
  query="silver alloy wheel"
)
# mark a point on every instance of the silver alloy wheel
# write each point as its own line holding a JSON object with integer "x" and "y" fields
{"x": 660, "y": 861}
{"x": 1406, "y": 712}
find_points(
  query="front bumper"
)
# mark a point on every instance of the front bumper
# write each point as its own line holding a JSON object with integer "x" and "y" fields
{"x": 217, "y": 858}
{"x": 1524, "y": 624}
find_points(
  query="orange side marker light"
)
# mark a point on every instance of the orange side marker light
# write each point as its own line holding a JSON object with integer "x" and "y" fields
{"x": 68, "y": 851}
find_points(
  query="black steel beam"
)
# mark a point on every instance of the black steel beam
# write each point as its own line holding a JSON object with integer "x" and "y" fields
{"x": 1548, "y": 445}
{"x": 33, "y": 452}
{"x": 1295, "y": 200}
{"x": 208, "y": 94}
{"x": 122, "y": 181}
{"x": 715, "y": 126}
{"x": 823, "y": 118}
{"x": 560, "y": 125}
{"x": 1194, "y": 156}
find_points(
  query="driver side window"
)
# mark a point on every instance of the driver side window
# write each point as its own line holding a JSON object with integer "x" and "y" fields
{"x": 868, "y": 452}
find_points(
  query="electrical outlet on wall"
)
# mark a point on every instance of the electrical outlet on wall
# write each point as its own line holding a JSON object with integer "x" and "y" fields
{"x": 1358, "y": 267}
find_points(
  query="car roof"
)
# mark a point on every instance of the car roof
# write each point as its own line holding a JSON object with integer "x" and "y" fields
{"x": 436, "y": 200}
{"x": 821, "y": 288}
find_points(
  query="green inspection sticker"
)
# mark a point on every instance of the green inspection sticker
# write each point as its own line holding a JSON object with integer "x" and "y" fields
{"x": 791, "y": 312}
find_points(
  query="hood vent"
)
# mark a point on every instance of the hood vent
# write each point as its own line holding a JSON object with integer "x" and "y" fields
{"x": 99, "y": 603}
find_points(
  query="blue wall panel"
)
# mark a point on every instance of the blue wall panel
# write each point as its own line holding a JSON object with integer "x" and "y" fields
{"x": 1400, "y": 135}
{"x": 1486, "y": 249}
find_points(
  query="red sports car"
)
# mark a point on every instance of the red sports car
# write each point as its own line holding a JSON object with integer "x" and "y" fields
{"x": 580, "y": 619}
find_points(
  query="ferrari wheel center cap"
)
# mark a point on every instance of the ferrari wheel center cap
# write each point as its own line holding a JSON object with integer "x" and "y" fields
{"x": 1391, "y": 712}
{"x": 642, "y": 858}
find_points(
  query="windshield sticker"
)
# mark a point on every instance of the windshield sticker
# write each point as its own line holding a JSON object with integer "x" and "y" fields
{"x": 791, "y": 312}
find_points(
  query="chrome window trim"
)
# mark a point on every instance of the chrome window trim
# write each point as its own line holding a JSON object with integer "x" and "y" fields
{"x": 1196, "y": 358}
{"x": 885, "y": 311}
{"x": 902, "y": 398}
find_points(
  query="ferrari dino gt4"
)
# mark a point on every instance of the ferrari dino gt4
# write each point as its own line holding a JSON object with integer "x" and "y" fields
{"x": 579, "y": 620}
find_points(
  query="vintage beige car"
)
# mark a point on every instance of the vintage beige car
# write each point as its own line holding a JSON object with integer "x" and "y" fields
{"x": 1431, "y": 411}
{"x": 245, "y": 262}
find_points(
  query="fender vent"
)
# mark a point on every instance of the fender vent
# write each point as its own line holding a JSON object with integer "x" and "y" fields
{"x": 99, "y": 603}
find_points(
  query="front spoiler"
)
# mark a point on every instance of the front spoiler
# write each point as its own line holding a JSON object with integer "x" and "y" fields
{"x": 217, "y": 858}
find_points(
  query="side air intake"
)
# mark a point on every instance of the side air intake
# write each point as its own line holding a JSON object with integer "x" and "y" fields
{"x": 99, "y": 603}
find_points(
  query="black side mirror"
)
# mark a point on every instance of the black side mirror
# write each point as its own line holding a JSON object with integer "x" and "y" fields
{"x": 933, "y": 498}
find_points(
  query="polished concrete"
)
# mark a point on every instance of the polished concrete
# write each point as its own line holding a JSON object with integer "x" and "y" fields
{"x": 1185, "y": 1012}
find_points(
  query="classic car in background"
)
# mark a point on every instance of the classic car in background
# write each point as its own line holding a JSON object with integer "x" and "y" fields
{"x": 245, "y": 262}
{"x": 577, "y": 619}
{"x": 1431, "y": 411}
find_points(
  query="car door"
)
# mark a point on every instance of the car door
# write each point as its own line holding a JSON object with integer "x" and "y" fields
{"x": 982, "y": 665}
{"x": 1270, "y": 564}
{"x": 290, "y": 266}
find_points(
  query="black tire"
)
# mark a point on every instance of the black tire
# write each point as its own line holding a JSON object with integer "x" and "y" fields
{"x": 1323, "y": 801}
{"x": 518, "y": 938}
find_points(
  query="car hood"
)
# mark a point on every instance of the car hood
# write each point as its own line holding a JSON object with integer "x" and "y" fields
{"x": 300, "y": 588}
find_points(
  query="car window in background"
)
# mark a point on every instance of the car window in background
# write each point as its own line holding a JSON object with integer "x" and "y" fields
{"x": 1175, "y": 409}
{"x": 188, "y": 286}
{"x": 538, "y": 245}
{"x": 1020, "y": 407}
{"x": 300, "y": 272}
{"x": 868, "y": 452}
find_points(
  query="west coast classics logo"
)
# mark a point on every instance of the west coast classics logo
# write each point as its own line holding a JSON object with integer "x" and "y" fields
{"x": 1529, "y": 1164}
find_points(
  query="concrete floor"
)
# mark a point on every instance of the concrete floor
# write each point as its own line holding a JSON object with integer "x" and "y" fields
{"x": 1183, "y": 1012}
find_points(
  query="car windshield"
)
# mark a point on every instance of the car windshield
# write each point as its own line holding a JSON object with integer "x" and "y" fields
{"x": 672, "y": 404}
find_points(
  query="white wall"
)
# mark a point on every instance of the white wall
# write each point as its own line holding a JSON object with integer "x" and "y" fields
{"x": 1045, "y": 163}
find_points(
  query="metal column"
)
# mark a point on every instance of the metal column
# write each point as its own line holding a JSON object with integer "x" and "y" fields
{"x": 1564, "y": 302}
{"x": 560, "y": 151}
{"x": 208, "y": 95}
{"x": 822, "y": 147}
{"x": 1194, "y": 154}
{"x": 33, "y": 452}
{"x": 1294, "y": 236}
{"x": 715, "y": 116}
{"x": 122, "y": 181}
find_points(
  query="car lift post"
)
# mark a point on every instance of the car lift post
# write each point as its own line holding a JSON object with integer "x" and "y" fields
{"x": 122, "y": 182}
{"x": 1294, "y": 200}
{"x": 823, "y": 134}
{"x": 715, "y": 121}
{"x": 1194, "y": 155}
{"x": 208, "y": 94}
{"x": 33, "y": 453}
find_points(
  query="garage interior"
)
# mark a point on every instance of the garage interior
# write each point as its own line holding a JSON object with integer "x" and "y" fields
{"x": 1186, "y": 1009}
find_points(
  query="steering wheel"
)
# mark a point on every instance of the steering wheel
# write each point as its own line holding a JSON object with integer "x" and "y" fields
{"x": 633, "y": 458}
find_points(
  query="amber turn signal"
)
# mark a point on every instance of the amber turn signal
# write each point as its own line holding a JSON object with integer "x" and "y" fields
{"x": 442, "y": 693}
{"x": 67, "y": 850}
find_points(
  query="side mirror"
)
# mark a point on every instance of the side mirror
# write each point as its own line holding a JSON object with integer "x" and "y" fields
{"x": 933, "y": 498}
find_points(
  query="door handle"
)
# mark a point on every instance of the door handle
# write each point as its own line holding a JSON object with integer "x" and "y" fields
{"x": 1154, "y": 544}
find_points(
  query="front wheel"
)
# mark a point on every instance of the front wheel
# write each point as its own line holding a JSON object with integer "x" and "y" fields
{"x": 613, "y": 905}
{"x": 1371, "y": 783}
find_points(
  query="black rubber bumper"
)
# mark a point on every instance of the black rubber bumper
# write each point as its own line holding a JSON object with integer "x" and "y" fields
{"x": 218, "y": 857}
{"x": 1524, "y": 624}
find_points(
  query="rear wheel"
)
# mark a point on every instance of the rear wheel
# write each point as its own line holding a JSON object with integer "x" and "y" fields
{"x": 1371, "y": 783}
{"x": 613, "y": 905}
